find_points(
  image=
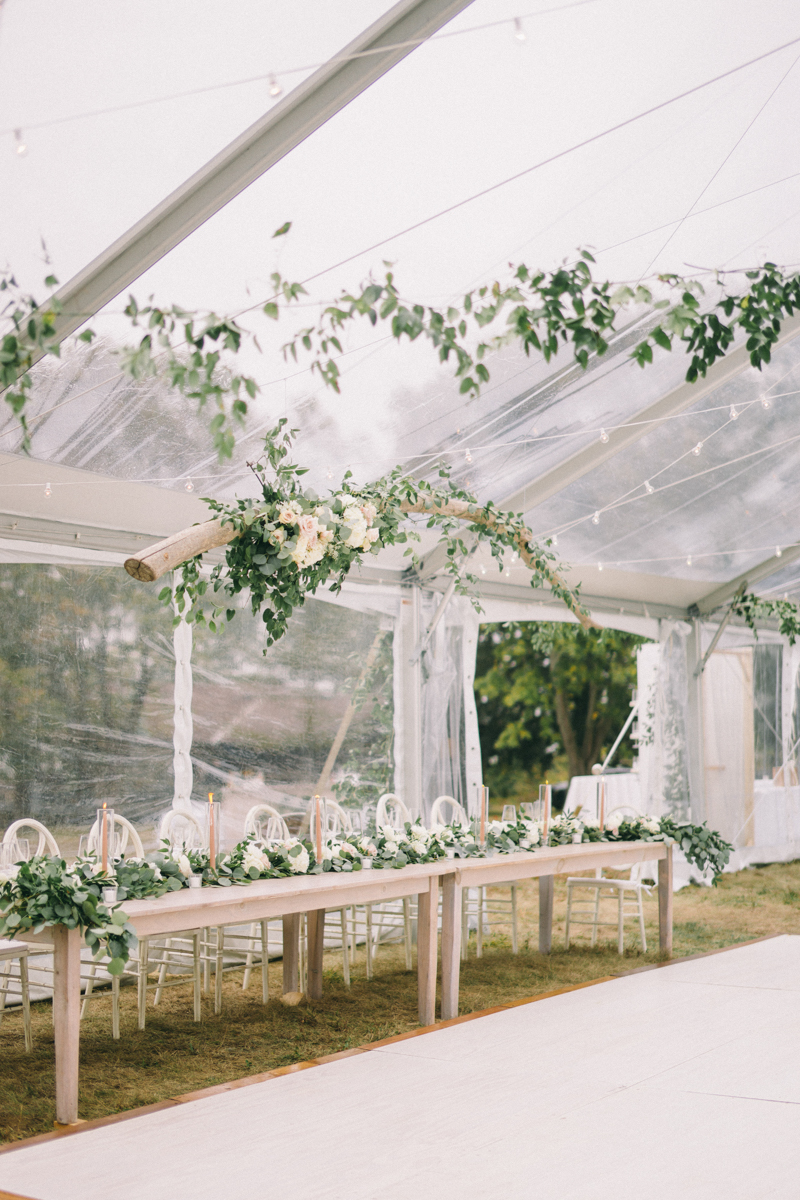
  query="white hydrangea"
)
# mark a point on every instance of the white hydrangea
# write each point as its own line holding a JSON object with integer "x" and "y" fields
{"x": 255, "y": 857}
{"x": 299, "y": 862}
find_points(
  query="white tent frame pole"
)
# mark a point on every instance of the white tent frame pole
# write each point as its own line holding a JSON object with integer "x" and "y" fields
{"x": 694, "y": 731}
{"x": 727, "y": 591}
{"x": 621, "y": 735}
{"x": 308, "y": 106}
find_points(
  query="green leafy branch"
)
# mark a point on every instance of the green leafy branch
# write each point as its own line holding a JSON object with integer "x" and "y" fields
{"x": 786, "y": 612}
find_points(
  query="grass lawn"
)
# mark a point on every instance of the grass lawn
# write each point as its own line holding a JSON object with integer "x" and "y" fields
{"x": 173, "y": 1055}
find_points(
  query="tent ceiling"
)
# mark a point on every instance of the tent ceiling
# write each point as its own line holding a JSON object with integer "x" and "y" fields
{"x": 674, "y": 528}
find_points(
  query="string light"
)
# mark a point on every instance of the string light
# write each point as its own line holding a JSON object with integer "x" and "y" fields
{"x": 468, "y": 455}
{"x": 778, "y": 552}
{"x": 596, "y": 518}
{"x": 188, "y": 486}
{"x": 329, "y": 474}
{"x": 689, "y": 560}
{"x": 603, "y": 436}
{"x": 734, "y": 413}
{"x": 697, "y": 449}
{"x": 519, "y": 32}
{"x": 648, "y": 487}
{"x": 20, "y": 146}
{"x": 766, "y": 402}
{"x": 599, "y": 566}
{"x": 275, "y": 88}
{"x": 554, "y": 540}
{"x": 48, "y": 491}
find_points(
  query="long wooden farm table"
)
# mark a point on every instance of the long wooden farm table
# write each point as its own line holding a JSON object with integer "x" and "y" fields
{"x": 544, "y": 864}
{"x": 263, "y": 900}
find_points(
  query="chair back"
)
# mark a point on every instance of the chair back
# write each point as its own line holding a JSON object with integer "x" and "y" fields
{"x": 182, "y": 829}
{"x": 124, "y": 832}
{"x": 12, "y": 849}
{"x": 446, "y": 811}
{"x": 391, "y": 811}
{"x": 266, "y": 824}
{"x": 338, "y": 818}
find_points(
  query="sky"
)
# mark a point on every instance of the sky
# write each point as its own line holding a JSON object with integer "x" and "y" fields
{"x": 461, "y": 114}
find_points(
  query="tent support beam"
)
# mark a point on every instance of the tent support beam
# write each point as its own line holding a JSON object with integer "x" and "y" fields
{"x": 727, "y": 591}
{"x": 701, "y": 666}
{"x": 380, "y": 47}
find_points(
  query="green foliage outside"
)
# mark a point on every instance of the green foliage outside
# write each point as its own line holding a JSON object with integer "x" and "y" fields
{"x": 551, "y": 699}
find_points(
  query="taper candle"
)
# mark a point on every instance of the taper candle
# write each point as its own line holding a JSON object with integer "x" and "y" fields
{"x": 104, "y": 839}
{"x": 601, "y": 803}
{"x": 318, "y": 829}
{"x": 484, "y": 811}
{"x": 212, "y": 834}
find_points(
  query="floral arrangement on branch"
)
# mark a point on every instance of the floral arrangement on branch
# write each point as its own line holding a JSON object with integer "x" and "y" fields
{"x": 290, "y": 541}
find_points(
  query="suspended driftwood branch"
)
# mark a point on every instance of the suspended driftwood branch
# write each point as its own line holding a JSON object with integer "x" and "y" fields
{"x": 170, "y": 553}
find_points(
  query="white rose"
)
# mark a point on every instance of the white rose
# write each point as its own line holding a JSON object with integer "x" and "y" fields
{"x": 300, "y": 862}
{"x": 277, "y": 537}
{"x": 184, "y": 866}
{"x": 391, "y": 847}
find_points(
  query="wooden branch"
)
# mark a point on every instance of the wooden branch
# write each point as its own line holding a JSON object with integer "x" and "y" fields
{"x": 172, "y": 551}
{"x": 179, "y": 548}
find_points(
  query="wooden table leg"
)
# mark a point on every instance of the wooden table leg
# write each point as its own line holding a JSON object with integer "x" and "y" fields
{"x": 427, "y": 921}
{"x": 546, "y": 886}
{"x": 316, "y": 941}
{"x": 451, "y": 945}
{"x": 291, "y": 953}
{"x": 665, "y": 903}
{"x": 67, "y": 1020}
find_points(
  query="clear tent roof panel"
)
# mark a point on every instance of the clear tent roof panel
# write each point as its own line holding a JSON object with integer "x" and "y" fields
{"x": 397, "y": 405}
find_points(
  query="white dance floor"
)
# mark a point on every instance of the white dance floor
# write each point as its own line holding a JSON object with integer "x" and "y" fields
{"x": 672, "y": 1084}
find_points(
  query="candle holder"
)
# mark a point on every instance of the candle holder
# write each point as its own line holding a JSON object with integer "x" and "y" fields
{"x": 212, "y": 830}
{"x": 577, "y": 837}
{"x": 109, "y": 895}
{"x": 106, "y": 841}
{"x": 450, "y": 852}
{"x": 195, "y": 881}
{"x": 366, "y": 864}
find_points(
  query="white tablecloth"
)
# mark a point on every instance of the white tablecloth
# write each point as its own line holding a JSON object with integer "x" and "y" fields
{"x": 621, "y": 791}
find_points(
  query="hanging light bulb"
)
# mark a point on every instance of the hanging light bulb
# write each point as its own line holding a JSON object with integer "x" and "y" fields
{"x": 596, "y": 518}
{"x": 648, "y": 487}
{"x": 189, "y": 486}
{"x": 689, "y": 560}
{"x": 468, "y": 455}
{"x": 603, "y": 436}
{"x": 20, "y": 146}
{"x": 599, "y": 566}
{"x": 48, "y": 491}
{"x": 734, "y": 413}
{"x": 329, "y": 474}
{"x": 778, "y": 552}
{"x": 554, "y": 539}
{"x": 483, "y": 570}
{"x": 766, "y": 402}
{"x": 697, "y": 449}
{"x": 275, "y": 88}
{"x": 519, "y": 32}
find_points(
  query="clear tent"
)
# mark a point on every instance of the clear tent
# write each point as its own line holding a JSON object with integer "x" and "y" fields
{"x": 660, "y": 497}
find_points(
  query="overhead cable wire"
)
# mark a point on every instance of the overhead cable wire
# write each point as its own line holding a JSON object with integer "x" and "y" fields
{"x": 726, "y": 159}
{"x": 596, "y": 137}
{"x": 282, "y": 73}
